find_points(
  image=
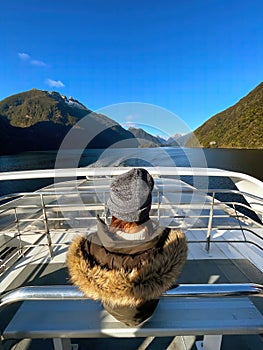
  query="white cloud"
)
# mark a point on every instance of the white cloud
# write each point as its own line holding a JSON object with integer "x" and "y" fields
{"x": 23, "y": 56}
{"x": 38, "y": 63}
{"x": 130, "y": 118}
{"x": 54, "y": 83}
{"x": 129, "y": 124}
{"x": 130, "y": 121}
{"x": 27, "y": 58}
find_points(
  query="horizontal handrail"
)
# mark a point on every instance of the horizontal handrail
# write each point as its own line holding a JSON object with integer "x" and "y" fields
{"x": 76, "y": 206}
{"x": 113, "y": 171}
{"x": 216, "y": 290}
{"x": 200, "y": 191}
{"x": 65, "y": 292}
{"x": 56, "y": 208}
{"x": 95, "y": 206}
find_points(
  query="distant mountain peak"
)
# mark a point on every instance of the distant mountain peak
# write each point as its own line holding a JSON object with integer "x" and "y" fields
{"x": 144, "y": 138}
{"x": 30, "y": 107}
{"x": 40, "y": 120}
{"x": 72, "y": 102}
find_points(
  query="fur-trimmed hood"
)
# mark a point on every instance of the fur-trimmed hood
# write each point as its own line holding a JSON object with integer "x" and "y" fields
{"x": 121, "y": 276}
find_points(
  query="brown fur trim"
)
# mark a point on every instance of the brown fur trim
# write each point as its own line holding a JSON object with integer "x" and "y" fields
{"x": 128, "y": 288}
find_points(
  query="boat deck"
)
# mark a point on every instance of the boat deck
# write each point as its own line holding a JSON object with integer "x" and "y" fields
{"x": 225, "y": 246}
{"x": 210, "y": 269}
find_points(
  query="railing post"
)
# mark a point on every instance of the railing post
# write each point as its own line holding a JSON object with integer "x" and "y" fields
{"x": 18, "y": 232}
{"x": 45, "y": 220}
{"x": 62, "y": 344}
{"x": 239, "y": 223}
{"x": 210, "y": 221}
{"x": 158, "y": 210}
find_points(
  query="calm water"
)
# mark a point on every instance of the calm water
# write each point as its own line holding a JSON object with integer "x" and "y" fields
{"x": 247, "y": 161}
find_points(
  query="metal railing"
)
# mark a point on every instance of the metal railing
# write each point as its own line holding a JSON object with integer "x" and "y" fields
{"x": 35, "y": 219}
{"x": 50, "y": 216}
{"x": 66, "y": 292}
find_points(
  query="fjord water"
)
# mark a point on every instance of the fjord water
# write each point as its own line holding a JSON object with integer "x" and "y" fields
{"x": 246, "y": 161}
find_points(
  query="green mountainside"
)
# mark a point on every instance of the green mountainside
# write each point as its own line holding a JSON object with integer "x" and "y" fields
{"x": 240, "y": 126}
{"x": 39, "y": 120}
{"x": 28, "y": 108}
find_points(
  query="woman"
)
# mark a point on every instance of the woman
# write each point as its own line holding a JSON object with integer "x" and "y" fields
{"x": 129, "y": 264}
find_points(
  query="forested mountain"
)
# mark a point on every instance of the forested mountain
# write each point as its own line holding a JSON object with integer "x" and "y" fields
{"x": 240, "y": 126}
{"x": 144, "y": 138}
{"x": 39, "y": 120}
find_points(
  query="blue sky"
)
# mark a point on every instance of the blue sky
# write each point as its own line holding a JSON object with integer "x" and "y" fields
{"x": 194, "y": 58}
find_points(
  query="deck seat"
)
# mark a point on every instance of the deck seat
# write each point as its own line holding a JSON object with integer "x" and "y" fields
{"x": 65, "y": 319}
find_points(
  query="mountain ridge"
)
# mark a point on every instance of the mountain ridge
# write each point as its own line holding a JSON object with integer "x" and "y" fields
{"x": 144, "y": 138}
{"x": 38, "y": 120}
{"x": 239, "y": 126}
{"x": 27, "y": 108}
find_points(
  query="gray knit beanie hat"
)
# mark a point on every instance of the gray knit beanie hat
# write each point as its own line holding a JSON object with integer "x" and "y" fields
{"x": 131, "y": 195}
